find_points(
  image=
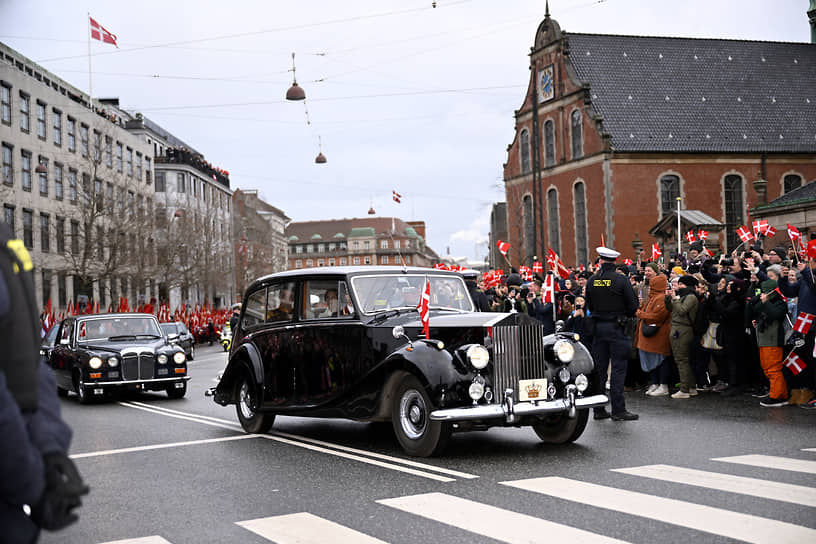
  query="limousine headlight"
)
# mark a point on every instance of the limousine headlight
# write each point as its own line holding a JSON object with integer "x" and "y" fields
{"x": 179, "y": 357}
{"x": 162, "y": 359}
{"x": 478, "y": 356}
{"x": 113, "y": 361}
{"x": 95, "y": 362}
{"x": 564, "y": 350}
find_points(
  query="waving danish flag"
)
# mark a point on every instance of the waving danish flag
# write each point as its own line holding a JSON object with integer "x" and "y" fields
{"x": 627, "y": 262}
{"x": 549, "y": 288}
{"x": 803, "y": 322}
{"x": 793, "y": 232}
{"x": 745, "y": 234}
{"x": 424, "y": 308}
{"x": 702, "y": 235}
{"x": 538, "y": 268}
{"x": 769, "y": 231}
{"x": 690, "y": 236}
{"x": 760, "y": 226}
{"x": 396, "y": 196}
{"x": 526, "y": 273}
{"x": 99, "y": 32}
{"x": 504, "y": 247}
{"x": 554, "y": 261}
{"x": 794, "y": 363}
{"x": 656, "y": 251}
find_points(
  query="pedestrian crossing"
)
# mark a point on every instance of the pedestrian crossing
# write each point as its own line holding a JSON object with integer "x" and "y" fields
{"x": 477, "y": 518}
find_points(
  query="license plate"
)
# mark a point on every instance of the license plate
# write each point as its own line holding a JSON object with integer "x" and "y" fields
{"x": 533, "y": 389}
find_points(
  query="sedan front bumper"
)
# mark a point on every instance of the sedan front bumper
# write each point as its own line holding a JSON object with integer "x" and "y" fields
{"x": 511, "y": 411}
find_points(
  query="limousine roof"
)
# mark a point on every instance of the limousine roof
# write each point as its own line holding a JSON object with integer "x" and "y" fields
{"x": 348, "y": 271}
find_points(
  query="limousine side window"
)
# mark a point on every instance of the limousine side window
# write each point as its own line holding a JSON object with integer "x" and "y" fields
{"x": 255, "y": 309}
{"x": 280, "y": 302}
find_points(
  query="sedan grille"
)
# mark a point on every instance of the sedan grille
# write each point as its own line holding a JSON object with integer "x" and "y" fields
{"x": 138, "y": 366}
{"x": 518, "y": 354}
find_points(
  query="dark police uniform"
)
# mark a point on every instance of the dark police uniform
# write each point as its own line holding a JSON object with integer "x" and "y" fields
{"x": 610, "y": 298}
{"x": 34, "y": 467}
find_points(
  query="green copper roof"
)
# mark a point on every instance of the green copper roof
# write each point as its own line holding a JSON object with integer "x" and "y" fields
{"x": 362, "y": 232}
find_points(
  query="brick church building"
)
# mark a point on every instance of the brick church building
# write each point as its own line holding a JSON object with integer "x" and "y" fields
{"x": 613, "y": 129}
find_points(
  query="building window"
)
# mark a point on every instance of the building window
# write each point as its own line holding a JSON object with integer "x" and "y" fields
{"x": 577, "y": 129}
{"x": 355, "y": 245}
{"x": 320, "y": 262}
{"x": 45, "y": 237}
{"x": 525, "y": 151}
{"x": 138, "y": 166}
{"x": 5, "y": 104}
{"x": 549, "y": 143}
{"x": 343, "y": 261}
{"x": 581, "y": 236}
{"x": 83, "y": 139}
{"x": 309, "y": 263}
{"x": 46, "y": 287}
{"x": 8, "y": 165}
{"x": 41, "y": 120}
{"x": 367, "y": 259}
{"x": 356, "y": 260}
{"x": 367, "y": 244}
{"x": 58, "y": 181}
{"x": 119, "y": 152}
{"x": 180, "y": 182}
{"x": 108, "y": 152}
{"x": 331, "y": 261}
{"x": 309, "y": 248}
{"x": 732, "y": 193}
{"x": 528, "y": 224}
{"x": 669, "y": 193}
{"x": 298, "y": 263}
{"x": 791, "y": 182}
{"x": 72, "y": 186}
{"x": 28, "y": 229}
{"x": 57, "y": 124}
{"x": 26, "y": 173}
{"x": 74, "y": 236}
{"x": 298, "y": 249}
{"x": 60, "y": 232}
{"x": 25, "y": 106}
{"x": 71, "y": 131}
{"x": 97, "y": 147}
{"x": 159, "y": 182}
{"x": 552, "y": 220}
{"x": 8, "y": 216}
{"x": 321, "y": 248}
{"x": 396, "y": 244}
{"x": 43, "y": 177}
{"x": 383, "y": 244}
{"x": 62, "y": 296}
{"x": 148, "y": 177}
{"x": 129, "y": 156}
{"x": 407, "y": 243}
{"x": 384, "y": 259}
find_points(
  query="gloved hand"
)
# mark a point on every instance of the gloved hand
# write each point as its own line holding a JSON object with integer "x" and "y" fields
{"x": 63, "y": 488}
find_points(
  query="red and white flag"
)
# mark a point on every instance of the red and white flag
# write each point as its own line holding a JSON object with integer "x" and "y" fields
{"x": 656, "y": 251}
{"x": 538, "y": 268}
{"x": 770, "y": 232}
{"x": 549, "y": 288}
{"x": 759, "y": 226}
{"x": 554, "y": 261}
{"x": 793, "y": 232}
{"x": 424, "y": 308}
{"x": 396, "y": 196}
{"x": 702, "y": 235}
{"x": 628, "y": 262}
{"x": 794, "y": 363}
{"x": 690, "y": 236}
{"x": 707, "y": 252}
{"x": 504, "y": 247}
{"x": 810, "y": 250}
{"x": 99, "y": 32}
{"x": 526, "y": 273}
{"x": 803, "y": 322}
{"x": 745, "y": 234}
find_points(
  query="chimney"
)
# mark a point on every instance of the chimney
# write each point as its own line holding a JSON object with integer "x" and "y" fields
{"x": 419, "y": 226}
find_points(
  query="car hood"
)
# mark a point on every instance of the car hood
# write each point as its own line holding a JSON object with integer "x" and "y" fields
{"x": 442, "y": 319}
{"x": 130, "y": 345}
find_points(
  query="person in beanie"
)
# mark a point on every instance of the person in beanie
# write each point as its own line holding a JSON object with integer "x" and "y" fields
{"x": 767, "y": 315}
{"x": 683, "y": 307}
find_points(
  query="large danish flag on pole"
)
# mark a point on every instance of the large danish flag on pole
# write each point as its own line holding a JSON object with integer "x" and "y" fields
{"x": 424, "y": 308}
{"x": 504, "y": 247}
{"x": 99, "y": 32}
{"x": 556, "y": 265}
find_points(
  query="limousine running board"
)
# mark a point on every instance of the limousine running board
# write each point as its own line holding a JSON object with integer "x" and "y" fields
{"x": 512, "y": 411}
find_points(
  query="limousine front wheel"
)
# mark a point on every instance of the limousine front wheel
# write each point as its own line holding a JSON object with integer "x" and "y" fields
{"x": 251, "y": 420}
{"x": 410, "y": 415}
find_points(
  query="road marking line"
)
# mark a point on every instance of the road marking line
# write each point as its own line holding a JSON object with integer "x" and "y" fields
{"x": 770, "y": 461}
{"x": 490, "y": 521}
{"x": 305, "y": 528}
{"x": 684, "y": 514}
{"x": 407, "y": 462}
{"x": 808, "y": 449}
{"x": 164, "y": 412}
{"x": 145, "y": 540}
{"x": 797, "y": 494}
{"x": 160, "y": 446}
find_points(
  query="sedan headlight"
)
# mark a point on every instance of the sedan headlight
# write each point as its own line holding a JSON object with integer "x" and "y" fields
{"x": 478, "y": 356}
{"x": 581, "y": 382}
{"x": 162, "y": 359}
{"x": 564, "y": 350}
{"x": 95, "y": 362}
{"x": 179, "y": 357}
{"x": 113, "y": 361}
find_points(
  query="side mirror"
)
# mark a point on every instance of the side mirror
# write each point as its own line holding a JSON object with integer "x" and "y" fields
{"x": 399, "y": 332}
{"x": 173, "y": 336}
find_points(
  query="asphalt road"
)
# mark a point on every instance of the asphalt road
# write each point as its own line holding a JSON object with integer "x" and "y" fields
{"x": 182, "y": 471}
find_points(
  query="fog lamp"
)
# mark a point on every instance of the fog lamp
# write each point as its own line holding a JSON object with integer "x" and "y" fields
{"x": 581, "y": 382}
{"x": 564, "y": 374}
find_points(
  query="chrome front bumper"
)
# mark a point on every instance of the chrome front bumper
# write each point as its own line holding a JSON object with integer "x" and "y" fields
{"x": 510, "y": 411}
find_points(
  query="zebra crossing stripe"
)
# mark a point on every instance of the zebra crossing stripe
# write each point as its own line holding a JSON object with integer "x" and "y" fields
{"x": 694, "y": 516}
{"x": 490, "y": 521}
{"x": 797, "y": 494}
{"x": 769, "y": 461}
{"x": 305, "y": 528}
{"x": 145, "y": 540}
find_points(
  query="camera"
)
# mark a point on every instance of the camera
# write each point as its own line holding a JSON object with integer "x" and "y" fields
{"x": 727, "y": 262}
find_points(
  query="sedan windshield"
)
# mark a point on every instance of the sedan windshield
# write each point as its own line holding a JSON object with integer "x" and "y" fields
{"x": 391, "y": 291}
{"x": 114, "y": 328}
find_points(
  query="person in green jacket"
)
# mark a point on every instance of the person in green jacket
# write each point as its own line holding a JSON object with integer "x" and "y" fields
{"x": 767, "y": 316}
{"x": 683, "y": 307}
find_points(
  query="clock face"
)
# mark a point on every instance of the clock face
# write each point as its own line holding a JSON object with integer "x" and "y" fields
{"x": 545, "y": 84}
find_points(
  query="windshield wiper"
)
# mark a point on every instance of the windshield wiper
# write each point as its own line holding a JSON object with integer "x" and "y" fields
{"x": 149, "y": 335}
{"x": 122, "y": 337}
{"x": 385, "y": 314}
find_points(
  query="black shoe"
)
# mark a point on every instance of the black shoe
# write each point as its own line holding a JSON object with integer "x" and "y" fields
{"x": 602, "y": 414}
{"x": 624, "y": 416}
{"x": 732, "y": 391}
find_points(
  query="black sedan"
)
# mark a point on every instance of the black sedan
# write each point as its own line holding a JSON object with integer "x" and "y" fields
{"x": 347, "y": 342}
{"x": 98, "y": 354}
{"x": 178, "y": 333}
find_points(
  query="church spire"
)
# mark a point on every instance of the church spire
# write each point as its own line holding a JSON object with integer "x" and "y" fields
{"x": 547, "y": 9}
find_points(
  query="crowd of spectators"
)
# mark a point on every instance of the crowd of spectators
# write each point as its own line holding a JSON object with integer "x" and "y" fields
{"x": 732, "y": 325}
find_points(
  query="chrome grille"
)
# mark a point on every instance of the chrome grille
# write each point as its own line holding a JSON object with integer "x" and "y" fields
{"x": 130, "y": 366}
{"x": 518, "y": 354}
{"x": 137, "y": 365}
{"x": 146, "y": 366}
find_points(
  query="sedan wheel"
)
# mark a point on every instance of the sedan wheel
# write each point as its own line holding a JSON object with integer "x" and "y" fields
{"x": 410, "y": 416}
{"x": 82, "y": 394}
{"x": 559, "y": 429}
{"x": 251, "y": 420}
{"x": 192, "y": 353}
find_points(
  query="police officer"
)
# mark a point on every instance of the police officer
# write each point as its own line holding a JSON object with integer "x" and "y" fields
{"x": 39, "y": 485}
{"x": 611, "y": 300}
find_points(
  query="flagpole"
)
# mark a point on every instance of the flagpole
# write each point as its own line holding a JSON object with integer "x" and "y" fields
{"x": 679, "y": 240}
{"x": 90, "y": 86}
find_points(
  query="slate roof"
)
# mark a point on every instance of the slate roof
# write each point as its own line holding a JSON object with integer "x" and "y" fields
{"x": 805, "y": 193}
{"x": 700, "y": 95}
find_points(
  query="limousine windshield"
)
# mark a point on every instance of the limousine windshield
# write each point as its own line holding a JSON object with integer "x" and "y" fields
{"x": 386, "y": 292}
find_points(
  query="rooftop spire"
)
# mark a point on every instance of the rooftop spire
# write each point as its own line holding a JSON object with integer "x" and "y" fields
{"x": 547, "y": 9}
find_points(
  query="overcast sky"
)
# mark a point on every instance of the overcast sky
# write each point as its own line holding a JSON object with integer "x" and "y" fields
{"x": 405, "y": 97}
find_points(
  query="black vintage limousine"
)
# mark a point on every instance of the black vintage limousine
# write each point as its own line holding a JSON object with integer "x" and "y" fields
{"x": 97, "y": 354}
{"x": 347, "y": 342}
